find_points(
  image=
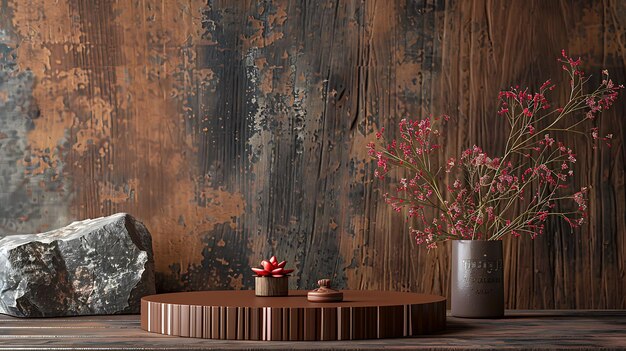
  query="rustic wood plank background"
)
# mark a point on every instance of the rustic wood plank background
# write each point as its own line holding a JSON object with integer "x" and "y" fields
{"x": 238, "y": 129}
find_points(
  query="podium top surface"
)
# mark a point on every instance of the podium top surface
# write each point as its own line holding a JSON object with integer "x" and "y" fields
{"x": 296, "y": 299}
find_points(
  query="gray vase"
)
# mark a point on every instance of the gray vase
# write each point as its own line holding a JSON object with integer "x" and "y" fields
{"x": 477, "y": 279}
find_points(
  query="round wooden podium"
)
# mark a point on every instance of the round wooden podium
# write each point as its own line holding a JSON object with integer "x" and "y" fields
{"x": 240, "y": 315}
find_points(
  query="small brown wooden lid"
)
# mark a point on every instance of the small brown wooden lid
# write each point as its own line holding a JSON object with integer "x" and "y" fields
{"x": 324, "y": 293}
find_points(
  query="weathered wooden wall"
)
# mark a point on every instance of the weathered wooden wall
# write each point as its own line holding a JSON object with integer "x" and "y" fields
{"x": 238, "y": 129}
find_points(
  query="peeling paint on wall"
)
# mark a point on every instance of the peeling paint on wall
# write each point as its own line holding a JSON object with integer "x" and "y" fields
{"x": 32, "y": 193}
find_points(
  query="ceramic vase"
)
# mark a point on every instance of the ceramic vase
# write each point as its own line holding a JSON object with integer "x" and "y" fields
{"x": 477, "y": 279}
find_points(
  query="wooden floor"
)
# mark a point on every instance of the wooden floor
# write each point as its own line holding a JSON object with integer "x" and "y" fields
{"x": 519, "y": 330}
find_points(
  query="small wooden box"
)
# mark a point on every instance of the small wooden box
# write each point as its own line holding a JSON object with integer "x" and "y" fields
{"x": 271, "y": 286}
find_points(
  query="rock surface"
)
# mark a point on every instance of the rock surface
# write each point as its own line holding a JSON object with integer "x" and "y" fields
{"x": 95, "y": 266}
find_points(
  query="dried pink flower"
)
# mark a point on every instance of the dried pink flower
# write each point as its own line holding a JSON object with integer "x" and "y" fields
{"x": 473, "y": 196}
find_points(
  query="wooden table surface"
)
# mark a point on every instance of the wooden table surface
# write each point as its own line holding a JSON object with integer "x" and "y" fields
{"x": 519, "y": 330}
{"x": 240, "y": 315}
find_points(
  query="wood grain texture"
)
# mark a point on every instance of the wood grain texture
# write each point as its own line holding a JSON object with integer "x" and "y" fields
{"x": 520, "y": 330}
{"x": 237, "y": 130}
{"x": 234, "y": 315}
{"x": 271, "y": 286}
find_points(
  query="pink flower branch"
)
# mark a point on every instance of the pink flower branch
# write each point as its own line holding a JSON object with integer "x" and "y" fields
{"x": 484, "y": 197}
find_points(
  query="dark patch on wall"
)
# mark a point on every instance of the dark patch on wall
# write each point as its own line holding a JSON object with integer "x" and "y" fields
{"x": 26, "y": 192}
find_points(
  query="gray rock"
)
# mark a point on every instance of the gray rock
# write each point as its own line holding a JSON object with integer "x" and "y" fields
{"x": 96, "y": 266}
